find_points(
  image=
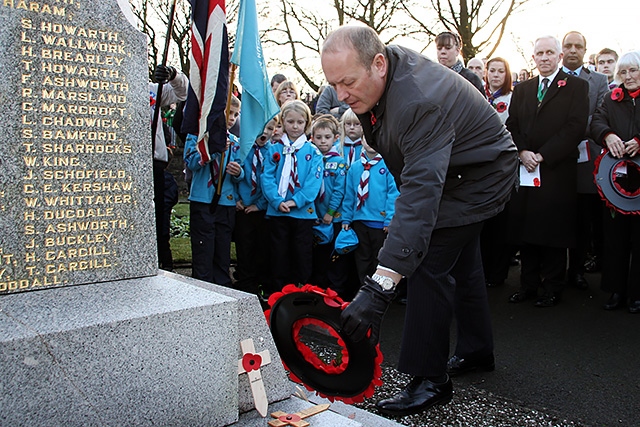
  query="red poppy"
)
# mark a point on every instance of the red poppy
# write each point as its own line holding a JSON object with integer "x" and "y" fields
{"x": 501, "y": 107}
{"x": 562, "y": 83}
{"x": 251, "y": 362}
{"x": 276, "y": 157}
{"x": 617, "y": 94}
{"x": 536, "y": 182}
{"x": 373, "y": 119}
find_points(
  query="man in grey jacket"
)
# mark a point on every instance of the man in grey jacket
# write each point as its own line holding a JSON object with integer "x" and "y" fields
{"x": 455, "y": 166}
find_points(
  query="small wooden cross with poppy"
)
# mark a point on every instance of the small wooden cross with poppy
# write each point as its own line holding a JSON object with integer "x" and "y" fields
{"x": 250, "y": 364}
{"x": 283, "y": 419}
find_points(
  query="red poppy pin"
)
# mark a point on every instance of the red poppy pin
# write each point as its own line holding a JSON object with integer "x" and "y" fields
{"x": 276, "y": 157}
{"x": 251, "y": 362}
{"x": 501, "y": 107}
{"x": 373, "y": 119}
{"x": 617, "y": 94}
{"x": 536, "y": 182}
{"x": 562, "y": 83}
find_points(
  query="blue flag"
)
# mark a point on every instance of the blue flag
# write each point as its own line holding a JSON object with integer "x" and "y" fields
{"x": 258, "y": 103}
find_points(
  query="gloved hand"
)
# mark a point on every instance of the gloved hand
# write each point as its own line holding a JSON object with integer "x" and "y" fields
{"x": 164, "y": 73}
{"x": 366, "y": 311}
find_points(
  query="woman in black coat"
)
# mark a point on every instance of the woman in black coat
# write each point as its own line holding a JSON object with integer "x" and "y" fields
{"x": 616, "y": 126}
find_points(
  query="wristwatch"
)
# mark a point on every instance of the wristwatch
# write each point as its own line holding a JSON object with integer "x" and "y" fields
{"x": 385, "y": 282}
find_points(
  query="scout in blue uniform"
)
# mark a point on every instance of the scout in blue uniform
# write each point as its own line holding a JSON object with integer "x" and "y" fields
{"x": 251, "y": 231}
{"x": 350, "y": 137}
{"x": 211, "y": 230}
{"x": 324, "y": 133}
{"x": 368, "y": 206}
{"x": 291, "y": 181}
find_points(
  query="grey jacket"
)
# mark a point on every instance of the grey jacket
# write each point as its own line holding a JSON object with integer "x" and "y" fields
{"x": 453, "y": 160}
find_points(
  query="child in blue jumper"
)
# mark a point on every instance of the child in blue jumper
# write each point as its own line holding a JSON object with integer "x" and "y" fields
{"x": 350, "y": 137}
{"x": 291, "y": 180}
{"x": 368, "y": 207}
{"x": 324, "y": 134}
{"x": 212, "y": 226}
{"x": 251, "y": 231}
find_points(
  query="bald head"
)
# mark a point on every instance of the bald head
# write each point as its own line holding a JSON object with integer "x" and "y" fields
{"x": 477, "y": 66}
{"x": 361, "y": 39}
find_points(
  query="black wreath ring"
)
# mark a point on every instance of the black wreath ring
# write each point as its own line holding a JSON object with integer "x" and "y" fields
{"x": 352, "y": 375}
{"x": 620, "y": 191}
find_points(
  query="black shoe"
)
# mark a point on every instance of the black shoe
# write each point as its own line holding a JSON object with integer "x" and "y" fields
{"x": 634, "y": 307}
{"x": 547, "y": 301}
{"x": 616, "y": 300}
{"x": 522, "y": 296}
{"x": 458, "y": 366}
{"x": 578, "y": 281}
{"x": 419, "y": 395}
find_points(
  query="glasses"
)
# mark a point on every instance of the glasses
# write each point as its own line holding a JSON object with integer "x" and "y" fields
{"x": 623, "y": 73}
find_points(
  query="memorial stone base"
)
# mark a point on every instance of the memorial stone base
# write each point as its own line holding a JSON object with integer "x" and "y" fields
{"x": 160, "y": 350}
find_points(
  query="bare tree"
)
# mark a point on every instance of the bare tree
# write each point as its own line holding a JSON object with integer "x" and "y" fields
{"x": 153, "y": 20}
{"x": 472, "y": 19}
{"x": 301, "y": 29}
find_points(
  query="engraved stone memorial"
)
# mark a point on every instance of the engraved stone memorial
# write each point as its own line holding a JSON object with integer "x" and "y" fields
{"x": 91, "y": 333}
{"x": 76, "y": 199}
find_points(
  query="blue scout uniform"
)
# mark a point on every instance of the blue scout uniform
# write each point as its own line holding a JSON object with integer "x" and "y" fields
{"x": 379, "y": 206}
{"x": 211, "y": 230}
{"x": 249, "y": 193}
{"x": 202, "y": 186}
{"x": 333, "y": 186}
{"x": 351, "y": 150}
{"x": 309, "y": 169}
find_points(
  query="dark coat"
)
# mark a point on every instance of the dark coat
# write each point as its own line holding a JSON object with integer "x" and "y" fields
{"x": 598, "y": 87}
{"x": 545, "y": 215}
{"x": 473, "y": 79}
{"x": 453, "y": 160}
{"x": 619, "y": 117}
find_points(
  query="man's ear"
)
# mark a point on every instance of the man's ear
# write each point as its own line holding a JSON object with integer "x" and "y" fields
{"x": 379, "y": 65}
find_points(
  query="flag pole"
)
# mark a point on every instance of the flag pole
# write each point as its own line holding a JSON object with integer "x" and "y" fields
{"x": 156, "y": 111}
{"x": 223, "y": 171}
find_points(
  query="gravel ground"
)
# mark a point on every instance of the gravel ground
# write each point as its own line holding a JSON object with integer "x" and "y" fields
{"x": 470, "y": 407}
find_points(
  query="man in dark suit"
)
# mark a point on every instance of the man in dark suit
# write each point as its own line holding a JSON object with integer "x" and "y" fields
{"x": 455, "y": 166}
{"x": 588, "y": 218}
{"x": 547, "y": 119}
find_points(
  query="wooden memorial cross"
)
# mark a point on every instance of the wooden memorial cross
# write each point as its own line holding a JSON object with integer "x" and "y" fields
{"x": 283, "y": 419}
{"x": 250, "y": 364}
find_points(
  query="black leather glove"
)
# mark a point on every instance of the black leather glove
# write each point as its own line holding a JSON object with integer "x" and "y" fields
{"x": 366, "y": 311}
{"x": 164, "y": 73}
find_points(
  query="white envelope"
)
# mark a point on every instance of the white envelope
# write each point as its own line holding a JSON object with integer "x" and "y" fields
{"x": 530, "y": 179}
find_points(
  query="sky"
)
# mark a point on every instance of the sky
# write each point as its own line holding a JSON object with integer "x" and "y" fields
{"x": 600, "y": 21}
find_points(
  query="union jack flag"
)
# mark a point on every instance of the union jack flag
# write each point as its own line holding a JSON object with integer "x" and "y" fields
{"x": 204, "y": 111}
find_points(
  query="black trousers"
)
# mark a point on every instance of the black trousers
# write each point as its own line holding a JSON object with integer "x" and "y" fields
{"x": 448, "y": 282}
{"x": 211, "y": 242}
{"x": 370, "y": 240}
{"x": 542, "y": 266}
{"x": 621, "y": 255}
{"x": 162, "y": 242}
{"x": 495, "y": 248}
{"x": 291, "y": 250}
{"x": 589, "y": 229}
{"x": 251, "y": 235}
{"x": 335, "y": 271}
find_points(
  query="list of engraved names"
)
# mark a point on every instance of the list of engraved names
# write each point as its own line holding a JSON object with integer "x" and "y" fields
{"x": 74, "y": 115}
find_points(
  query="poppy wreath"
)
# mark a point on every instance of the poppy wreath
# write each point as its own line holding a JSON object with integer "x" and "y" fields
{"x": 618, "y": 195}
{"x": 352, "y": 374}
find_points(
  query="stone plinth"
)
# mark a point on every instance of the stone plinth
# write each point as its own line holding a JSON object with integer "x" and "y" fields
{"x": 151, "y": 351}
